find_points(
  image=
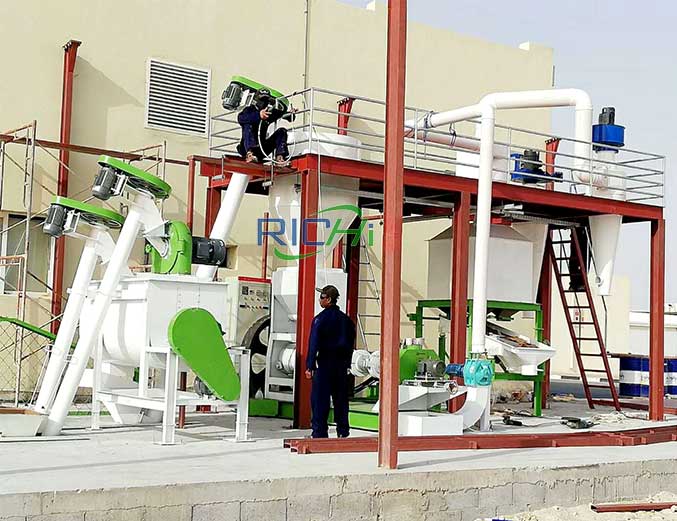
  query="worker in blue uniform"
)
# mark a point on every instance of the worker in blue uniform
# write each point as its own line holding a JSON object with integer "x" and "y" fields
{"x": 330, "y": 352}
{"x": 255, "y": 119}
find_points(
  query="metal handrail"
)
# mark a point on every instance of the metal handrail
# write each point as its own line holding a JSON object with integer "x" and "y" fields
{"x": 636, "y": 176}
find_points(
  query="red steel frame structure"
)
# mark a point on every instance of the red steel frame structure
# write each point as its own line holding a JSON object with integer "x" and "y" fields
{"x": 463, "y": 192}
{"x": 69, "y": 58}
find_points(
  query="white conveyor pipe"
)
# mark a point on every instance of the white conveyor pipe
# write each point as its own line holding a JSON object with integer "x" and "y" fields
{"x": 139, "y": 209}
{"x": 486, "y": 111}
{"x": 98, "y": 243}
{"x": 225, "y": 218}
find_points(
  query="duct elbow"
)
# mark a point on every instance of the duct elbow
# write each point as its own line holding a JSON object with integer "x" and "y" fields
{"x": 581, "y": 99}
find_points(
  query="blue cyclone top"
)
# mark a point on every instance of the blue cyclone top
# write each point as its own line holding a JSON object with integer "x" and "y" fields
{"x": 607, "y": 132}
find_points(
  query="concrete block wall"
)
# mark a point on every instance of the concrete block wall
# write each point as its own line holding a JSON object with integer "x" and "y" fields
{"x": 393, "y": 496}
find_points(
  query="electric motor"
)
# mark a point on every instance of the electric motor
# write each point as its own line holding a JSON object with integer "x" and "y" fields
{"x": 430, "y": 369}
{"x": 55, "y": 221}
{"x": 232, "y": 96}
{"x": 104, "y": 183}
{"x": 212, "y": 252}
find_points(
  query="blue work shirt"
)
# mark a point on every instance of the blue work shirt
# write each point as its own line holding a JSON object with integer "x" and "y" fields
{"x": 332, "y": 338}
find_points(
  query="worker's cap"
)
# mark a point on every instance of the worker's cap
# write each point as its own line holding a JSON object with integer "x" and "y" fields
{"x": 329, "y": 291}
{"x": 264, "y": 94}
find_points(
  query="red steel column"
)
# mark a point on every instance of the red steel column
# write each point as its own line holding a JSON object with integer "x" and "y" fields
{"x": 353, "y": 265}
{"x": 460, "y": 245}
{"x": 190, "y": 204}
{"x": 306, "y": 298}
{"x": 545, "y": 300}
{"x": 657, "y": 321}
{"x": 337, "y": 255}
{"x": 393, "y": 190}
{"x": 264, "y": 246}
{"x": 69, "y": 58}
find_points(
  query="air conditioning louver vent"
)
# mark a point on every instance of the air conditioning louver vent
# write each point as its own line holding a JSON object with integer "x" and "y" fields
{"x": 177, "y": 98}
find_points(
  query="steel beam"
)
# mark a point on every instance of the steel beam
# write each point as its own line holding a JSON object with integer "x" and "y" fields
{"x": 620, "y": 438}
{"x": 632, "y": 507}
{"x": 460, "y": 246}
{"x": 94, "y": 151}
{"x": 657, "y": 321}
{"x": 190, "y": 204}
{"x": 393, "y": 190}
{"x": 545, "y": 300}
{"x": 509, "y": 192}
{"x": 305, "y": 307}
{"x": 353, "y": 265}
{"x": 69, "y": 58}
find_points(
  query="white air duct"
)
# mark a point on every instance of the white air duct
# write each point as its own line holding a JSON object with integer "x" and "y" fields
{"x": 486, "y": 111}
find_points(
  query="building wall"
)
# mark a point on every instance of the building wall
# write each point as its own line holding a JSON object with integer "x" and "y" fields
{"x": 260, "y": 39}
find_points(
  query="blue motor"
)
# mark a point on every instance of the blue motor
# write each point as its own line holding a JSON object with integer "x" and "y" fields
{"x": 528, "y": 168}
{"x": 607, "y": 132}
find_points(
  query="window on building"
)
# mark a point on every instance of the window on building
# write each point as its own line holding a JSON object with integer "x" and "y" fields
{"x": 177, "y": 97}
{"x": 39, "y": 255}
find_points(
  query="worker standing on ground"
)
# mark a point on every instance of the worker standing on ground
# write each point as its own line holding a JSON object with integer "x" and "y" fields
{"x": 331, "y": 343}
{"x": 255, "y": 119}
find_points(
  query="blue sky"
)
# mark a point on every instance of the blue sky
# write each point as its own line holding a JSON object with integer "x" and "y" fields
{"x": 624, "y": 53}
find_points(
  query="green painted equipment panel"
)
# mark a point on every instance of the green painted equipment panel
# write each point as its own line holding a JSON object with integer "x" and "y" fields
{"x": 94, "y": 215}
{"x": 195, "y": 336}
{"x": 409, "y": 359}
{"x": 179, "y": 258}
{"x": 138, "y": 179}
{"x": 255, "y": 86}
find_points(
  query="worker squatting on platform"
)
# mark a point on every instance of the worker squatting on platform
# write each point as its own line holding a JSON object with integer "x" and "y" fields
{"x": 331, "y": 342}
{"x": 255, "y": 145}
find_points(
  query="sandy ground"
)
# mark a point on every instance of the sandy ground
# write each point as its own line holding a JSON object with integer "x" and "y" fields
{"x": 584, "y": 513}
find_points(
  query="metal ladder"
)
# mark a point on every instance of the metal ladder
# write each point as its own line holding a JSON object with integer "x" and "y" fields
{"x": 371, "y": 296}
{"x": 584, "y": 332}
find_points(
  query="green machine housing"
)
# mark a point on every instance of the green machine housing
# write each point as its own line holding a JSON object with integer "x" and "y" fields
{"x": 240, "y": 92}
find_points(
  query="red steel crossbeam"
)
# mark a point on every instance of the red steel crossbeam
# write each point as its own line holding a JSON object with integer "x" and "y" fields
{"x": 83, "y": 149}
{"x": 310, "y": 186}
{"x": 657, "y": 321}
{"x": 512, "y": 192}
{"x": 460, "y": 245}
{"x": 393, "y": 195}
{"x": 69, "y": 59}
{"x": 489, "y": 441}
{"x": 631, "y": 507}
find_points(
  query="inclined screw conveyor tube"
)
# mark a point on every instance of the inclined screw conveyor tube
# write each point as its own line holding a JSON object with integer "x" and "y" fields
{"x": 143, "y": 212}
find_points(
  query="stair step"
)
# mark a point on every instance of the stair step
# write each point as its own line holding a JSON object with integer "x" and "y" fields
{"x": 369, "y": 316}
{"x": 367, "y": 298}
{"x": 366, "y": 280}
{"x": 599, "y": 386}
{"x": 587, "y": 338}
{"x": 371, "y": 334}
{"x": 583, "y": 323}
{"x": 560, "y": 242}
{"x": 595, "y": 355}
{"x": 561, "y": 258}
{"x": 578, "y": 307}
{"x": 595, "y": 371}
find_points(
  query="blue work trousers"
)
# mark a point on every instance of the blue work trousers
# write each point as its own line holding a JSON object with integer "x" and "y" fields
{"x": 330, "y": 382}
